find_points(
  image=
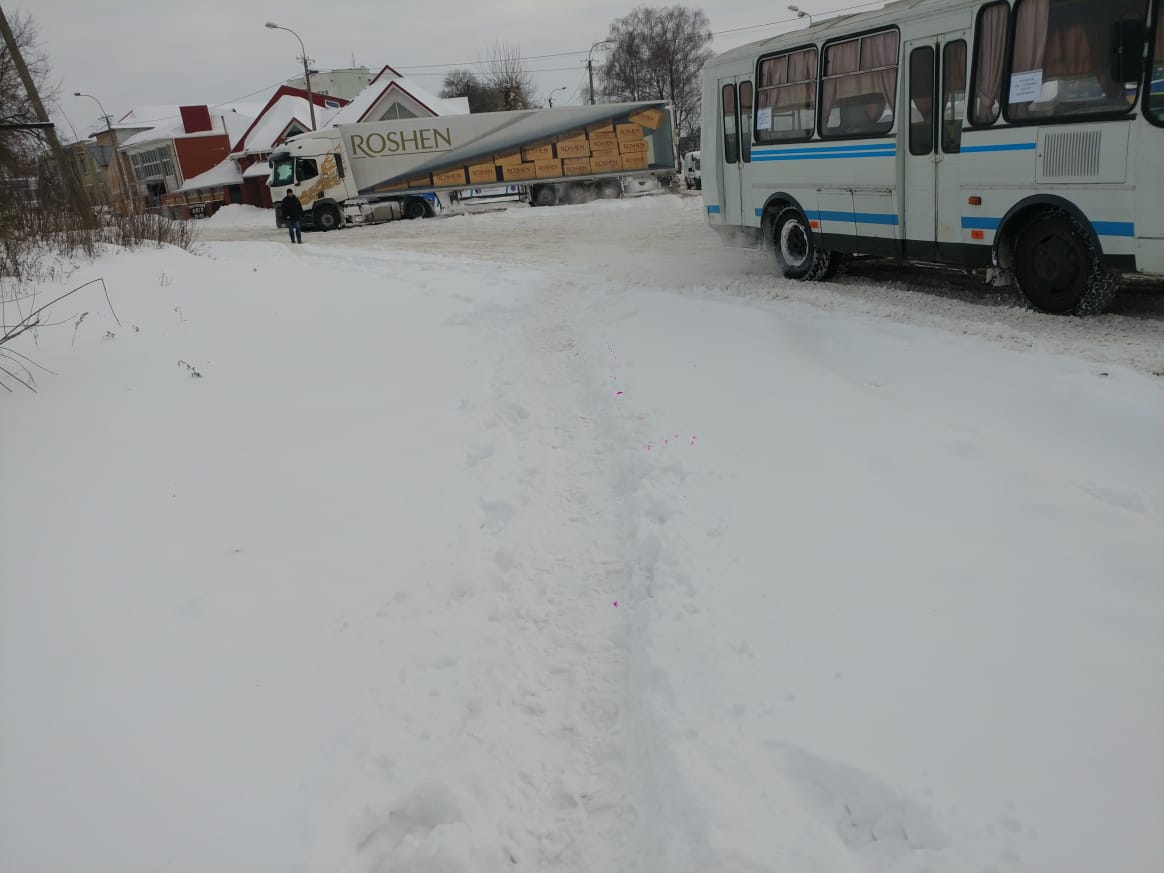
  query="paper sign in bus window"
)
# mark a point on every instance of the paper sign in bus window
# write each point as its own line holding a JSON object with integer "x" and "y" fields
{"x": 764, "y": 118}
{"x": 1026, "y": 87}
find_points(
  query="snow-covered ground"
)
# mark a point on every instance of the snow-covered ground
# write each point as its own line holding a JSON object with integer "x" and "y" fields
{"x": 565, "y": 540}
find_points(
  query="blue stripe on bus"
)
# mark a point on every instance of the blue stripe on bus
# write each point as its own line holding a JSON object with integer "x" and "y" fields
{"x": 864, "y": 147}
{"x": 1001, "y": 147}
{"x": 713, "y": 210}
{"x": 1102, "y": 228}
{"x": 858, "y": 217}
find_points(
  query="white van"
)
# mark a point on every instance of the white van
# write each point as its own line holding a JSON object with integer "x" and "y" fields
{"x": 691, "y": 171}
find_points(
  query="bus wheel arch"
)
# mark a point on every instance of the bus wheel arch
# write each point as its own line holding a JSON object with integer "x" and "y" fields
{"x": 1054, "y": 256}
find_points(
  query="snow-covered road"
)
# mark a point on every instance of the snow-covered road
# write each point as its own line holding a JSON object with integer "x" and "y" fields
{"x": 470, "y": 562}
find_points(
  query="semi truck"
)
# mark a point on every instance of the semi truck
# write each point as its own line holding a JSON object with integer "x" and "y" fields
{"x": 354, "y": 174}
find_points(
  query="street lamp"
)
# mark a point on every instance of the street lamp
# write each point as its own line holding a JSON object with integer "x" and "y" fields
{"x": 125, "y": 189}
{"x": 590, "y": 64}
{"x": 800, "y": 13}
{"x": 306, "y": 72}
{"x": 552, "y": 93}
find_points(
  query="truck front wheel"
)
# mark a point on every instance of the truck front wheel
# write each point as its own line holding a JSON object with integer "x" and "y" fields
{"x": 326, "y": 218}
{"x": 415, "y": 208}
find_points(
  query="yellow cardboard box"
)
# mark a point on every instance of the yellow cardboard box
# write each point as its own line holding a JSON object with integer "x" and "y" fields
{"x": 449, "y": 177}
{"x": 605, "y": 153}
{"x": 420, "y": 181}
{"x": 575, "y": 148}
{"x": 603, "y": 139}
{"x": 629, "y": 132}
{"x": 571, "y": 135}
{"x": 606, "y": 126}
{"x": 538, "y": 153}
{"x": 635, "y": 161}
{"x": 509, "y": 156}
{"x": 651, "y": 118}
{"x": 638, "y": 146}
{"x": 520, "y": 172}
{"x": 611, "y": 164}
{"x": 547, "y": 168}
{"x": 576, "y": 166}
{"x": 482, "y": 174}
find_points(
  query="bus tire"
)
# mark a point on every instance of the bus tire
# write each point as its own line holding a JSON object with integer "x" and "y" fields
{"x": 326, "y": 218}
{"x": 797, "y": 256}
{"x": 1058, "y": 267}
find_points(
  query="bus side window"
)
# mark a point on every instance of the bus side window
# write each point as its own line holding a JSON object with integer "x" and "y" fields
{"x": 953, "y": 95}
{"x": 860, "y": 83}
{"x": 921, "y": 101}
{"x": 746, "y": 121}
{"x": 989, "y": 49}
{"x": 731, "y": 131}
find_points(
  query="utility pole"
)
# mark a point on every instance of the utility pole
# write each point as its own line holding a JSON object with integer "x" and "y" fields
{"x": 306, "y": 72}
{"x": 590, "y": 65}
{"x": 66, "y": 168}
{"x": 126, "y": 192}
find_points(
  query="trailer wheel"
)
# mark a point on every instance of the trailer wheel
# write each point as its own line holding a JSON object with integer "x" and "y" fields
{"x": 326, "y": 218}
{"x": 415, "y": 208}
{"x": 797, "y": 256}
{"x": 1058, "y": 268}
{"x": 544, "y": 195}
{"x": 611, "y": 189}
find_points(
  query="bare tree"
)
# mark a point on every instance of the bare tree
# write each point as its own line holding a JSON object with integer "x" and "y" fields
{"x": 463, "y": 83}
{"x": 19, "y": 149}
{"x": 658, "y": 53}
{"x": 507, "y": 75}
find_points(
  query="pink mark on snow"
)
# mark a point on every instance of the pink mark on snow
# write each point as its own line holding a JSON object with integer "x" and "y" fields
{"x": 616, "y": 604}
{"x": 617, "y": 393}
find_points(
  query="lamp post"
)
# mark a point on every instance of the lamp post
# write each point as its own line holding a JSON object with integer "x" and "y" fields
{"x": 800, "y": 13}
{"x": 306, "y": 72}
{"x": 552, "y": 93}
{"x": 590, "y": 64}
{"x": 125, "y": 189}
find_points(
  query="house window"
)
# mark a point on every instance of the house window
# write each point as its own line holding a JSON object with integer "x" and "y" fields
{"x": 787, "y": 97}
{"x": 1060, "y": 59}
{"x": 860, "y": 80}
{"x": 395, "y": 111}
{"x": 152, "y": 164}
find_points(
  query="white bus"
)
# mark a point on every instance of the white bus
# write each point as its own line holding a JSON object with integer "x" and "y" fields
{"x": 1021, "y": 136}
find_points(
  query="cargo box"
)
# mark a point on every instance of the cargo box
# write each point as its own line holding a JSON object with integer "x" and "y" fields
{"x": 603, "y": 139}
{"x": 449, "y": 177}
{"x": 420, "y": 181}
{"x": 538, "y": 153}
{"x": 629, "y": 132}
{"x": 611, "y": 164}
{"x": 548, "y": 168}
{"x": 575, "y": 148}
{"x": 567, "y": 136}
{"x": 635, "y": 161}
{"x": 576, "y": 166}
{"x": 509, "y": 156}
{"x": 482, "y": 174}
{"x": 635, "y": 147}
{"x": 651, "y": 118}
{"x": 520, "y": 172}
{"x": 604, "y": 127}
{"x": 605, "y": 153}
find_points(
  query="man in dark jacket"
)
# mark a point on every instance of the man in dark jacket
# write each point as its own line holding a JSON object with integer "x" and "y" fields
{"x": 292, "y": 215}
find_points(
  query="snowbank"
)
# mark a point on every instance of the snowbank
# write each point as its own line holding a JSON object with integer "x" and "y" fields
{"x": 239, "y": 215}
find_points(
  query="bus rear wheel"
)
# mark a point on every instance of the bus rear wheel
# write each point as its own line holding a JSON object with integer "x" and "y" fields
{"x": 1058, "y": 268}
{"x": 797, "y": 256}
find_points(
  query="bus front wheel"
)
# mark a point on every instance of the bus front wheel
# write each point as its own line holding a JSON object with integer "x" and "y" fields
{"x": 1058, "y": 267}
{"x": 797, "y": 256}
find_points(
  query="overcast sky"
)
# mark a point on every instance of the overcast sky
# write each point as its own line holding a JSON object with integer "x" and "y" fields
{"x": 129, "y": 53}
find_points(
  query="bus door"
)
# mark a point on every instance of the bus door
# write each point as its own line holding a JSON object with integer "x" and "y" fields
{"x": 735, "y": 112}
{"x": 936, "y": 85}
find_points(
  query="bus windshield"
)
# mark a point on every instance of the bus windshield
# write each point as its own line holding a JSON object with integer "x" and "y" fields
{"x": 1156, "y": 76}
{"x": 283, "y": 173}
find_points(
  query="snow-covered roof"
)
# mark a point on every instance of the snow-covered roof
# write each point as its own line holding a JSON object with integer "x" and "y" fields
{"x": 287, "y": 107}
{"x": 233, "y": 119}
{"x": 379, "y": 91}
{"x": 146, "y": 117}
{"x": 223, "y": 173}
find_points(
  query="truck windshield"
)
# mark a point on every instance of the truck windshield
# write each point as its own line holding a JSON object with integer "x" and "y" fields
{"x": 283, "y": 173}
{"x": 1156, "y": 77}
